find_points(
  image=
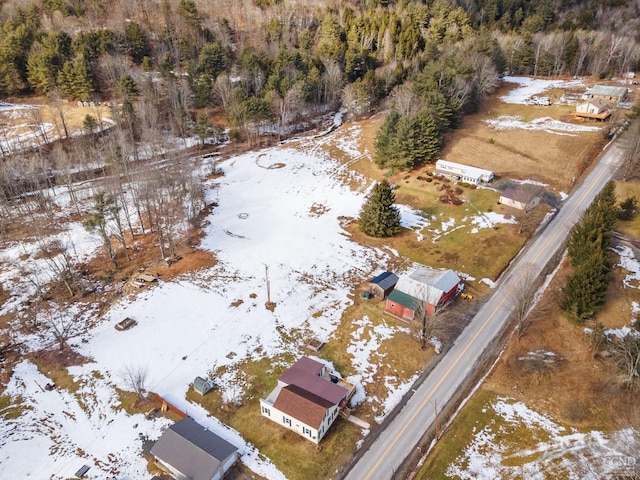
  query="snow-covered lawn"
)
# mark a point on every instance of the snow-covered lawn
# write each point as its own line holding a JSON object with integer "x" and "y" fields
{"x": 546, "y": 124}
{"x": 428, "y": 226}
{"x": 528, "y": 87}
{"x": 279, "y": 209}
{"x": 514, "y": 441}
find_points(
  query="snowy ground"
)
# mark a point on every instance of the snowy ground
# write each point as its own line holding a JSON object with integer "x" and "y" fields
{"x": 530, "y": 87}
{"x": 435, "y": 228}
{"x": 546, "y": 124}
{"x": 514, "y": 441}
{"x": 21, "y": 126}
{"x": 279, "y": 208}
{"x": 527, "y": 89}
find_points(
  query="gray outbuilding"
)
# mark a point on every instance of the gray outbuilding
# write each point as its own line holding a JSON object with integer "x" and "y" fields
{"x": 188, "y": 451}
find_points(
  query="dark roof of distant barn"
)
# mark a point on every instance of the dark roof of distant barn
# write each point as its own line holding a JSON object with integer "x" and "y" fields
{"x": 304, "y": 374}
{"x": 192, "y": 449}
{"x": 403, "y": 299}
{"x": 302, "y": 405}
{"x": 513, "y": 194}
{"x": 385, "y": 280}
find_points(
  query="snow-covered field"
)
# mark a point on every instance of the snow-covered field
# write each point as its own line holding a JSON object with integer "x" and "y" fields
{"x": 529, "y": 87}
{"x": 279, "y": 209}
{"x": 514, "y": 442}
{"x": 546, "y": 124}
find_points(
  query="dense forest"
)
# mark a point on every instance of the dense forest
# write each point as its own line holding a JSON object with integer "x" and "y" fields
{"x": 249, "y": 71}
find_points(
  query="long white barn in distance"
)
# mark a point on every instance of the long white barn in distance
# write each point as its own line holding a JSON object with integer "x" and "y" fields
{"x": 463, "y": 173}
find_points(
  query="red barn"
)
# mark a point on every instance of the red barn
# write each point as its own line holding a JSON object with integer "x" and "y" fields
{"x": 424, "y": 285}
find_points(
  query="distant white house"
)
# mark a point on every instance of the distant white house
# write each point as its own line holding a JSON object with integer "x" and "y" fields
{"x": 463, "y": 173}
{"x": 597, "y": 108}
{"x": 307, "y": 399}
{"x": 518, "y": 199}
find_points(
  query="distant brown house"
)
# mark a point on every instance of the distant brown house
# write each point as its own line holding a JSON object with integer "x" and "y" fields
{"x": 307, "y": 399}
{"x": 382, "y": 285}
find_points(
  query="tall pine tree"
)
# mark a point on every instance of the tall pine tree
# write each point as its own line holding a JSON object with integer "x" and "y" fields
{"x": 379, "y": 217}
{"x": 587, "y": 248}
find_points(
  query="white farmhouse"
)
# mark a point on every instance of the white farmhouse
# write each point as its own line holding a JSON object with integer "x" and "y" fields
{"x": 307, "y": 399}
{"x": 598, "y": 108}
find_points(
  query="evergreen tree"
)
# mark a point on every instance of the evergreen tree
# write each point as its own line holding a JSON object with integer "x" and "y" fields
{"x": 98, "y": 220}
{"x": 47, "y": 59}
{"x": 405, "y": 142}
{"x": 587, "y": 247}
{"x": 331, "y": 44}
{"x": 385, "y": 139}
{"x": 585, "y": 289}
{"x": 136, "y": 43}
{"x": 379, "y": 217}
{"x": 76, "y": 79}
{"x": 127, "y": 87}
{"x": 628, "y": 208}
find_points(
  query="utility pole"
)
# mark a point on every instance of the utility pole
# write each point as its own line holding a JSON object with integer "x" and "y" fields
{"x": 266, "y": 276}
{"x": 269, "y": 305}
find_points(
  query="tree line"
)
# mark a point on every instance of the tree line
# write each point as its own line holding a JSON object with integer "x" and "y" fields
{"x": 298, "y": 60}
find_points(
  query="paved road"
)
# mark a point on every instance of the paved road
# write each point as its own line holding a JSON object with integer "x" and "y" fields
{"x": 402, "y": 435}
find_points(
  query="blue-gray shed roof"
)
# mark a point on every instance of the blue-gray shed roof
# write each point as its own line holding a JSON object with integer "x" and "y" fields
{"x": 385, "y": 280}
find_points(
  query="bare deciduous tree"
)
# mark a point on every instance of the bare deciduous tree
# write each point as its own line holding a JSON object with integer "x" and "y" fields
{"x": 430, "y": 323}
{"x": 523, "y": 297}
{"x": 405, "y": 100}
{"x": 529, "y": 196}
{"x": 626, "y": 353}
{"x": 136, "y": 379}
{"x": 632, "y": 153}
{"x": 333, "y": 80}
{"x": 59, "y": 325}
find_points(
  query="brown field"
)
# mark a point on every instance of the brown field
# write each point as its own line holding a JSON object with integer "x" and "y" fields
{"x": 523, "y": 154}
{"x": 45, "y": 111}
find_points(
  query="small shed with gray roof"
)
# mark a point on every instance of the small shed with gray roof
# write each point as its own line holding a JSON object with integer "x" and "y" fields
{"x": 188, "y": 451}
{"x": 202, "y": 386}
{"x": 382, "y": 285}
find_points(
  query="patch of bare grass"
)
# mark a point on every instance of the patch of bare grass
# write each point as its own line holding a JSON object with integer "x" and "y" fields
{"x": 550, "y": 158}
{"x": 399, "y": 357}
{"x": 297, "y": 458}
{"x": 624, "y": 190}
{"x": 11, "y": 408}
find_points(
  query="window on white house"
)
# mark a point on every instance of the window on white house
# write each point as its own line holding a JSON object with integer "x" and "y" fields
{"x": 286, "y": 421}
{"x": 266, "y": 411}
